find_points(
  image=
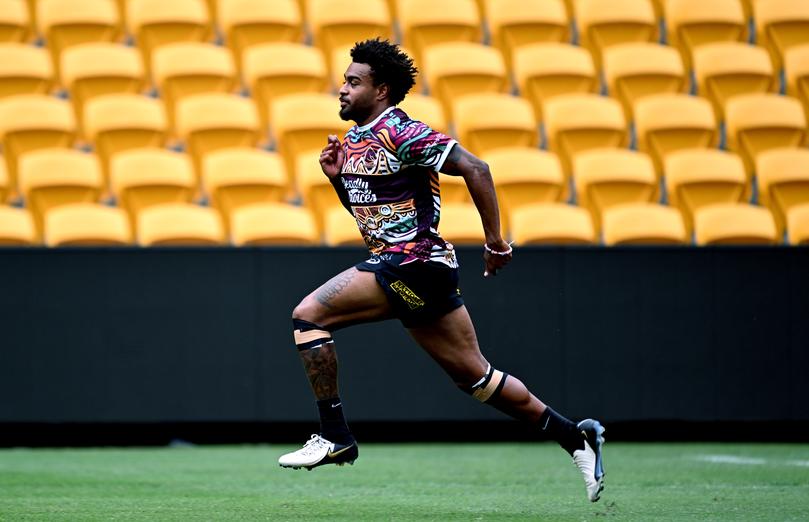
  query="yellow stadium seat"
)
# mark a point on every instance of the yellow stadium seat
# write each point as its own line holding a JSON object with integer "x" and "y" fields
{"x": 700, "y": 177}
{"x": 65, "y": 23}
{"x": 666, "y": 123}
{"x": 485, "y": 122}
{"x": 50, "y": 178}
{"x": 551, "y": 224}
{"x": 273, "y": 224}
{"x": 579, "y": 122}
{"x": 274, "y": 70}
{"x": 516, "y": 23}
{"x": 603, "y": 24}
{"x": 3, "y": 183}
{"x": 734, "y": 224}
{"x": 15, "y": 23}
{"x": 461, "y": 68}
{"x": 692, "y": 23}
{"x": 154, "y": 23}
{"x": 727, "y": 69}
{"x": 119, "y": 122}
{"x": 454, "y": 190}
{"x": 605, "y": 178}
{"x": 301, "y": 123}
{"x": 543, "y": 71}
{"x": 759, "y": 122}
{"x": 426, "y": 109}
{"x": 525, "y": 176}
{"x": 783, "y": 180}
{"x": 643, "y": 224}
{"x": 636, "y": 70}
{"x": 179, "y": 224}
{"x": 796, "y": 70}
{"x": 422, "y": 25}
{"x": 246, "y": 23}
{"x": 237, "y": 177}
{"x": 337, "y": 23}
{"x": 747, "y": 7}
{"x": 315, "y": 189}
{"x": 24, "y": 69}
{"x": 94, "y": 69}
{"x": 781, "y": 24}
{"x": 16, "y": 227}
{"x": 340, "y": 229}
{"x": 185, "y": 69}
{"x": 86, "y": 224}
{"x": 211, "y": 122}
{"x": 460, "y": 224}
{"x": 143, "y": 178}
{"x": 30, "y": 122}
{"x": 797, "y": 225}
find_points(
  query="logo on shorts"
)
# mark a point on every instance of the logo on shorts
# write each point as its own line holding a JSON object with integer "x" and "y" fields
{"x": 407, "y": 295}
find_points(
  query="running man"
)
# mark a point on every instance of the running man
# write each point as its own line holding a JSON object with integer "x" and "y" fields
{"x": 386, "y": 174}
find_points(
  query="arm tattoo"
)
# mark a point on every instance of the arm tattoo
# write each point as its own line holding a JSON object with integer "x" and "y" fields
{"x": 333, "y": 287}
{"x": 321, "y": 368}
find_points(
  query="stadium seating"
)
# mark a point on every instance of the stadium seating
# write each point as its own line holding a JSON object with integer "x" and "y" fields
{"x": 86, "y": 224}
{"x": 426, "y": 109}
{"x": 65, "y": 23}
{"x": 94, "y": 69}
{"x": 272, "y": 224}
{"x": 546, "y": 70}
{"x": 154, "y": 23}
{"x": 15, "y": 23}
{"x": 783, "y": 180}
{"x": 692, "y": 23}
{"x": 604, "y": 24}
{"x": 185, "y": 69}
{"x": 340, "y": 229}
{"x": 516, "y": 23}
{"x": 699, "y": 177}
{"x": 315, "y": 189}
{"x": 142, "y": 178}
{"x": 781, "y": 24}
{"x": 119, "y": 122}
{"x": 302, "y": 122}
{"x": 551, "y": 224}
{"x": 579, "y": 122}
{"x": 727, "y": 69}
{"x": 460, "y": 224}
{"x": 454, "y": 189}
{"x": 237, "y": 177}
{"x": 667, "y": 123}
{"x": 758, "y": 122}
{"x": 273, "y": 70}
{"x": 605, "y": 178}
{"x": 16, "y": 227}
{"x": 485, "y": 122}
{"x": 3, "y": 183}
{"x": 734, "y": 224}
{"x": 210, "y": 122}
{"x": 246, "y": 23}
{"x": 796, "y": 70}
{"x": 422, "y": 25}
{"x": 179, "y": 224}
{"x": 458, "y": 69}
{"x": 643, "y": 224}
{"x": 798, "y": 225}
{"x": 30, "y": 122}
{"x": 24, "y": 69}
{"x": 50, "y": 178}
{"x": 635, "y": 70}
{"x": 337, "y": 23}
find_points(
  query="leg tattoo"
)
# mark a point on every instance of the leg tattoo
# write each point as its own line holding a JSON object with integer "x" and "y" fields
{"x": 333, "y": 287}
{"x": 321, "y": 368}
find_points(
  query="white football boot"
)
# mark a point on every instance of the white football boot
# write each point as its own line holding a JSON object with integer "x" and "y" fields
{"x": 588, "y": 460}
{"x": 318, "y": 451}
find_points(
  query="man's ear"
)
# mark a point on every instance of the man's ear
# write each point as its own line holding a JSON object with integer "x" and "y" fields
{"x": 383, "y": 91}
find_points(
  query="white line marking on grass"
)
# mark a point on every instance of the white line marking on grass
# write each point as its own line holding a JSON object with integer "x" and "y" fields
{"x": 732, "y": 459}
{"x": 801, "y": 463}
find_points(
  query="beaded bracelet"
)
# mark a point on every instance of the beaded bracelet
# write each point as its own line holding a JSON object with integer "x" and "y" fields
{"x": 496, "y": 253}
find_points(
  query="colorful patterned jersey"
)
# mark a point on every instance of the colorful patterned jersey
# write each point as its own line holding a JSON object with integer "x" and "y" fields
{"x": 390, "y": 179}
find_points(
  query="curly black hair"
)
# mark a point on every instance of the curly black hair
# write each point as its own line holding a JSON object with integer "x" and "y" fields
{"x": 389, "y": 65}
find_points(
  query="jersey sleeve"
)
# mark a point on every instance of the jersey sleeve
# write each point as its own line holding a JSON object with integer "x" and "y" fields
{"x": 416, "y": 143}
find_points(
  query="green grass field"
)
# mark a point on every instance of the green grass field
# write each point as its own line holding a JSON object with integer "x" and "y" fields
{"x": 407, "y": 482}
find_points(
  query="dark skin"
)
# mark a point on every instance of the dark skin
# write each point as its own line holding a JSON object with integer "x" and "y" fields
{"x": 355, "y": 297}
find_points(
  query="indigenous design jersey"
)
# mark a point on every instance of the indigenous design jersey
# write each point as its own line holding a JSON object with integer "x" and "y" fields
{"x": 390, "y": 179}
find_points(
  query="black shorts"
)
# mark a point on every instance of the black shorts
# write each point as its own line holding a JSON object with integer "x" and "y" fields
{"x": 419, "y": 291}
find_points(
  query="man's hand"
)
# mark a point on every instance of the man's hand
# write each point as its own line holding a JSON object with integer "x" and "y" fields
{"x": 332, "y": 157}
{"x": 496, "y": 255}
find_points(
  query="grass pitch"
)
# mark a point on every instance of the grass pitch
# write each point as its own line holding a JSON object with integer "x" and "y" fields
{"x": 439, "y": 482}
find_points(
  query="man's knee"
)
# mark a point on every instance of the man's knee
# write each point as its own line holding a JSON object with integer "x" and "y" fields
{"x": 487, "y": 387}
{"x": 309, "y": 335}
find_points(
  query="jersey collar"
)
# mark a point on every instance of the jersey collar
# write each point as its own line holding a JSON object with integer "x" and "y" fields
{"x": 376, "y": 120}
